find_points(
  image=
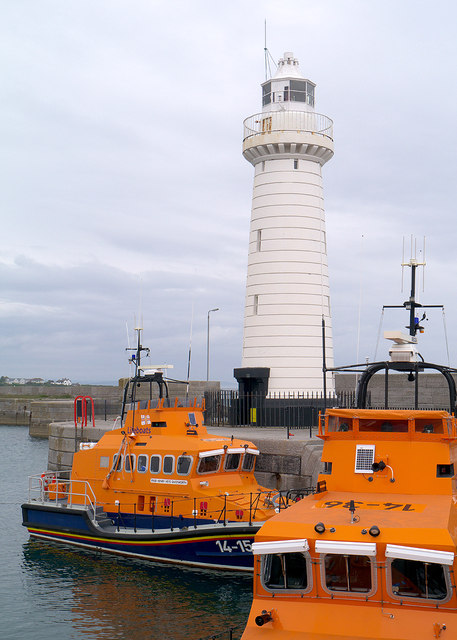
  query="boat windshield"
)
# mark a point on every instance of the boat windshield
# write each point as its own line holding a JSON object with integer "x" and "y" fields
{"x": 285, "y": 571}
{"x": 232, "y": 461}
{"x": 414, "y": 579}
{"x": 248, "y": 462}
{"x": 209, "y": 464}
{"x": 347, "y": 573}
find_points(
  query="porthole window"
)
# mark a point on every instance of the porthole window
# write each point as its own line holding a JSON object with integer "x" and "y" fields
{"x": 209, "y": 464}
{"x": 415, "y": 579}
{"x": 155, "y": 464}
{"x": 347, "y": 573}
{"x": 184, "y": 465}
{"x": 142, "y": 463}
{"x": 286, "y": 572}
{"x": 168, "y": 464}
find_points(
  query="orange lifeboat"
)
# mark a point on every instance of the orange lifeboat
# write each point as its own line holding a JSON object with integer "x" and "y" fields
{"x": 372, "y": 554}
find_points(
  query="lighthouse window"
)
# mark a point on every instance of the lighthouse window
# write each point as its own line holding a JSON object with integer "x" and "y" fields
{"x": 295, "y": 164}
{"x": 168, "y": 464}
{"x": 256, "y": 304}
{"x": 285, "y": 571}
{"x": 310, "y": 94}
{"x": 414, "y": 579}
{"x": 266, "y": 94}
{"x": 183, "y": 465}
{"x": 259, "y": 239}
{"x": 209, "y": 464}
{"x": 155, "y": 464}
{"x": 348, "y": 573}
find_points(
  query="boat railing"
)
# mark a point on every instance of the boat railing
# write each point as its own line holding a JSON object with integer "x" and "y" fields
{"x": 117, "y": 422}
{"x": 190, "y": 511}
{"x": 57, "y": 487}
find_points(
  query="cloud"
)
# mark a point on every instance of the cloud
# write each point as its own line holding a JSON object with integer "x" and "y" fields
{"x": 122, "y": 175}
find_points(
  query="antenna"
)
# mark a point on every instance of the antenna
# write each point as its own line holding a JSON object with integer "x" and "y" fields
{"x": 190, "y": 351}
{"x": 267, "y": 55}
{"x": 265, "y": 51}
{"x": 411, "y": 305}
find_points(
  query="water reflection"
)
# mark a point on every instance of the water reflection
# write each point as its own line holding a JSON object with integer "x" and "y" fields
{"x": 105, "y": 597}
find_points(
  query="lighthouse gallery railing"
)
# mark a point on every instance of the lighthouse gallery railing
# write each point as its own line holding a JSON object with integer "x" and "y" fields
{"x": 300, "y": 121}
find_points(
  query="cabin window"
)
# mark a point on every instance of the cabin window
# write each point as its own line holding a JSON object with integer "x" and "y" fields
{"x": 168, "y": 464}
{"x": 232, "y": 461}
{"x": 142, "y": 463}
{"x": 117, "y": 462}
{"x": 283, "y": 571}
{"x": 384, "y": 426}
{"x": 192, "y": 420}
{"x": 327, "y": 470}
{"x": 347, "y": 573}
{"x": 415, "y": 579}
{"x": 422, "y": 425}
{"x": 248, "y": 462}
{"x": 129, "y": 462}
{"x": 209, "y": 464}
{"x": 184, "y": 465}
{"x": 156, "y": 463}
{"x": 337, "y": 423}
{"x": 104, "y": 462}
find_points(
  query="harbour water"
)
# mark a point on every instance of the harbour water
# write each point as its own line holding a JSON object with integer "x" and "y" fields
{"x": 48, "y": 592}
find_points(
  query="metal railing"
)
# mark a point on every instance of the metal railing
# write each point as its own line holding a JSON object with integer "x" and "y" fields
{"x": 56, "y": 487}
{"x": 191, "y": 511}
{"x": 290, "y": 410}
{"x": 299, "y": 121}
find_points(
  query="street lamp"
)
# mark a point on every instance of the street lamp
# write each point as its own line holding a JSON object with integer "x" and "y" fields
{"x": 207, "y": 345}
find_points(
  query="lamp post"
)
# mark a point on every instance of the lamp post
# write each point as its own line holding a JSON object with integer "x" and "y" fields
{"x": 207, "y": 345}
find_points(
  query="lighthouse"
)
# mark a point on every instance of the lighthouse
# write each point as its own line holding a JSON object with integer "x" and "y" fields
{"x": 287, "y": 287}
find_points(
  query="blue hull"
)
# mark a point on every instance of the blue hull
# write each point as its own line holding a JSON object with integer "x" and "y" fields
{"x": 207, "y": 545}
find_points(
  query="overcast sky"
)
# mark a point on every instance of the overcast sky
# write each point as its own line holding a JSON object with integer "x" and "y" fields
{"x": 123, "y": 190}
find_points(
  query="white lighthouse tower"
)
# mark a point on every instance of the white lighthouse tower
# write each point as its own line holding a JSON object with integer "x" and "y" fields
{"x": 287, "y": 289}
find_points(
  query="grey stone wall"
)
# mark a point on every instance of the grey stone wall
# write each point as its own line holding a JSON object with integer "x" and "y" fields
{"x": 288, "y": 464}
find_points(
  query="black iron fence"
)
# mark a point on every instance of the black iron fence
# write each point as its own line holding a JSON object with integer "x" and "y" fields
{"x": 298, "y": 411}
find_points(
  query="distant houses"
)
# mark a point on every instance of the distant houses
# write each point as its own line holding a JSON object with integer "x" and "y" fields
{"x": 63, "y": 381}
